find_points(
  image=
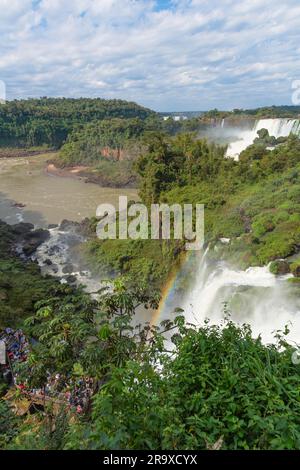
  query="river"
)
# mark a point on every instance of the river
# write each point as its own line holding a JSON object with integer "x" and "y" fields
{"x": 48, "y": 199}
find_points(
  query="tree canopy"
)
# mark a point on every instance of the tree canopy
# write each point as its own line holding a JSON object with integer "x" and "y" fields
{"x": 48, "y": 121}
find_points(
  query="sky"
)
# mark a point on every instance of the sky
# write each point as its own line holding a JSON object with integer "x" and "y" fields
{"x": 168, "y": 55}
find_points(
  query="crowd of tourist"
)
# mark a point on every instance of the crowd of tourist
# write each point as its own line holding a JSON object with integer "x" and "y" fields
{"x": 76, "y": 392}
{"x": 17, "y": 346}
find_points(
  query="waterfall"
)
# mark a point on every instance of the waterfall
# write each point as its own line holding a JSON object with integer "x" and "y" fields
{"x": 255, "y": 296}
{"x": 276, "y": 128}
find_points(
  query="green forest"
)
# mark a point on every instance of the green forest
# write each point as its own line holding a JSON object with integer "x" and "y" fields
{"x": 267, "y": 112}
{"x": 49, "y": 121}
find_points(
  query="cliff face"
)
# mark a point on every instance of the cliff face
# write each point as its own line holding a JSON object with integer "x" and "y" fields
{"x": 241, "y": 122}
{"x": 113, "y": 154}
{"x": 130, "y": 151}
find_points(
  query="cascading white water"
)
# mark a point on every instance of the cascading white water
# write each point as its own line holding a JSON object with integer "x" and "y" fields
{"x": 59, "y": 256}
{"x": 276, "y": 128}
{"x": 255, "y": 296}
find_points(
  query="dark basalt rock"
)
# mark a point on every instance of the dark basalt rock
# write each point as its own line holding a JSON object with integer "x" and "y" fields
{"x": 68, "y": 225}
{"x": 70, "y": 279}
{"x": 33, "y": 239}
{"x": 68, "y": 268}
{"x": 25, "y": 240}
{"x": 22, "y": 228}
{"x": 53, "y": 249}
{"x": 82, "y": 228}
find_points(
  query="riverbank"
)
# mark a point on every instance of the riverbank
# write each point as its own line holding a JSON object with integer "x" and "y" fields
{"x": 113, "y": 177}
{"x": 71, "y": 172}
{"x": 107, "y": 174}
{"x": 22, "y": 152}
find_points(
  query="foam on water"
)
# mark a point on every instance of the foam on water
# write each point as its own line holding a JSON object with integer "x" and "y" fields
{"x": 63, "y": 251}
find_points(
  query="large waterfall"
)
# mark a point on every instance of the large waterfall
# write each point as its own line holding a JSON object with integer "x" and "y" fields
{"x": 255, "y": 296}
{"x": 276, "y": 128}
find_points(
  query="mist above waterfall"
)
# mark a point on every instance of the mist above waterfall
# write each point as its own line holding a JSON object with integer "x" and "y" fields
{"x": 223, "y": 135}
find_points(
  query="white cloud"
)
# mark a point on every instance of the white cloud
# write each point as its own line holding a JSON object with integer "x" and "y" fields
{"x": 197, "y": 55}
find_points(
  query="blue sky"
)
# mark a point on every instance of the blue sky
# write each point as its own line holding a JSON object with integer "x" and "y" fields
{"x": 164, "y": 54}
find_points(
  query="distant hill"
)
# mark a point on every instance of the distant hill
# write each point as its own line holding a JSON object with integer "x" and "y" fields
{"x": 48, "y": 121}
{"x": 271, "y": 112}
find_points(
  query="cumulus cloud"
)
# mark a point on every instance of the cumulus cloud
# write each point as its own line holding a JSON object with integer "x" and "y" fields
{"x": 165, "y": 54}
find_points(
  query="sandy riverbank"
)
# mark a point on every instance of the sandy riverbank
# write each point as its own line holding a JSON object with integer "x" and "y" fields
{"x": 78, "y": 171}
{"x": 88, "y": 175}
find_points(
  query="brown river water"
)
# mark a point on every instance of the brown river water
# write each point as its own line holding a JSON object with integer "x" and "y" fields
{"x": 48, "y": 199}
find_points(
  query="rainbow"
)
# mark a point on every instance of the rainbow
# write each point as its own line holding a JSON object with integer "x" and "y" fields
{"x": 169, "y": 290}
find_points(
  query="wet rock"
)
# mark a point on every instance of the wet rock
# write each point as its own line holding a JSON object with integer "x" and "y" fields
{"x": 48, "y": 262}
{"x": 68, "y": 225}
{"x": 22, "y": 228}
{"x": 50, "y": 226}
{"x": 68, "y": 268}
{"x": 53, "y": 250}
{"x": 70, "y": 279}
{"x": 19, "y": 204}
{"x": 280, "y": 267}
{"x": 26, "y": 239}
{"x": 33, "y": 239}
{"x": 82, "y": 228}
